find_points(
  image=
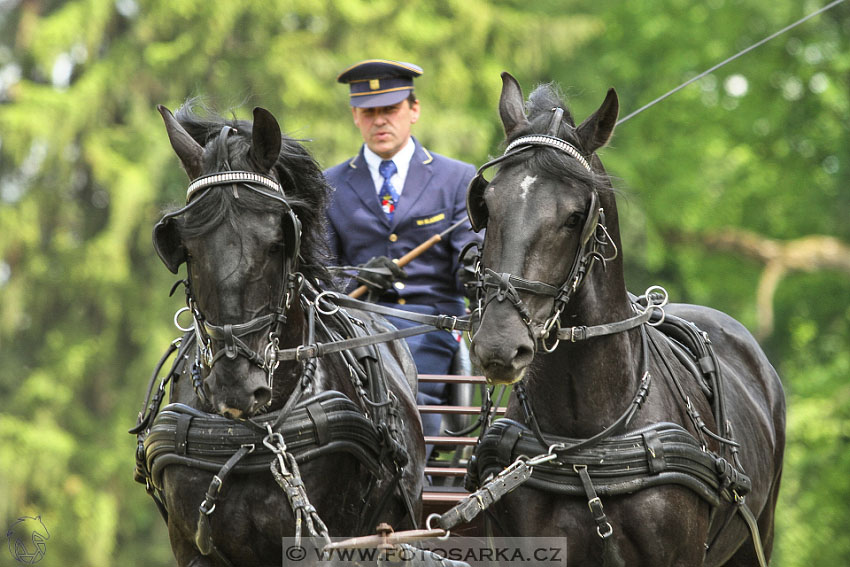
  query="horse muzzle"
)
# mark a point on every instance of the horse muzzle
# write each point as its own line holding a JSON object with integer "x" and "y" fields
{"x": 237, "y": 395}
{"x": 502, "y": 347}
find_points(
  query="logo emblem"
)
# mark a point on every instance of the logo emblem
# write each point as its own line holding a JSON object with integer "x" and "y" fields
{"x": 26, "y": 540}
{"x": 374, "y": 84}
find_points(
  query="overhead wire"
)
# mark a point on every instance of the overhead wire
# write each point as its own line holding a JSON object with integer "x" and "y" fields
{"x": 730, "y": 59}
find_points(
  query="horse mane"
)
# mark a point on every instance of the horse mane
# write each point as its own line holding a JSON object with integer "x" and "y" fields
{"x": 304, "y": 185}
{"x": 538, "y": 109}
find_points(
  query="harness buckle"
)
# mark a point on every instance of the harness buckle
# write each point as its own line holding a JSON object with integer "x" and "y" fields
{"x": 216, "y": 483}
{"x": 299, "y": 352}
{"x": 577, "y": 333}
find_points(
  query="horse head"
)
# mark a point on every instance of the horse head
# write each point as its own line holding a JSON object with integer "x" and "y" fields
{"x": 240, "y": 238}
{"x": 543, "y": 211}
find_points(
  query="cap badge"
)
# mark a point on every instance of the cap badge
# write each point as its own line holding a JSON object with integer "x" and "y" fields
{"x": 374, "y": 84}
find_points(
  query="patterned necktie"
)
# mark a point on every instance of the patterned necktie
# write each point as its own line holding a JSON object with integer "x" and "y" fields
{"x": 389, "y": 196}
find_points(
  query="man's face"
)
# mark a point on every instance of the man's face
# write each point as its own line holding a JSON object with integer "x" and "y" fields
{"x": 385, "y": 129}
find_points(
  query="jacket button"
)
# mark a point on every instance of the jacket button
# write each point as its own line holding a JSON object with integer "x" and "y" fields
{"x": 399, "y": 285}
{"x": 393, "y": 237}
{"x": 401, "y": 301}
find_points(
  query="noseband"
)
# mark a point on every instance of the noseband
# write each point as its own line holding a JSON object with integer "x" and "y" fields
{"x": 231, "y": 335}
{"x": 505, "y": 286}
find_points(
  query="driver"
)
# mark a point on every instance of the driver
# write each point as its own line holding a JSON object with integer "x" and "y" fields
{"x": 392, "y": 196}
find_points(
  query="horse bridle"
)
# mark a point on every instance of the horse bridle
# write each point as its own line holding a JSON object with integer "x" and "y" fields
{"x": 505, "y": 286}
{"x": 231, "y": 334}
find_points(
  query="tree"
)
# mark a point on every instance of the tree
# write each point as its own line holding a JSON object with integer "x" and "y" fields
{"x": 758, "y": 148}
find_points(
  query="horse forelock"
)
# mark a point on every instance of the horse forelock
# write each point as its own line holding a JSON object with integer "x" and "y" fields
{"x": 299, "y": 174}
{"x": 550, "y": 162}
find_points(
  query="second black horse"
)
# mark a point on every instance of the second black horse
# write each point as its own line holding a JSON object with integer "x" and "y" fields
{"x": 267, "y": 437}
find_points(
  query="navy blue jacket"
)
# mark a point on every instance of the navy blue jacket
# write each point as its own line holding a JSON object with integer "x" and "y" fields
{"x": 433, "y": 198}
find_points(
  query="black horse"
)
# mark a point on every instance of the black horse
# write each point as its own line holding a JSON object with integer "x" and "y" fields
{"x": 250, "y": 390}
{"x": 660, "y": 429}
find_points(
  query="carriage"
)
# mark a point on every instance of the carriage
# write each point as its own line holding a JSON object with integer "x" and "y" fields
{"x": 650, "y": 433}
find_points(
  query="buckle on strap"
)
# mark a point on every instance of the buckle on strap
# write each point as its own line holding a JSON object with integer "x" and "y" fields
{"x": 594, "y": 503}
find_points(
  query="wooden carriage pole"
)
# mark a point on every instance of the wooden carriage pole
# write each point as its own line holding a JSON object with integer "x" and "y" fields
{"x": 416, "y": 252}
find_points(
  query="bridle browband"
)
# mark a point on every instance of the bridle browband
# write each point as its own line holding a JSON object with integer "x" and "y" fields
{"x": 594, "y": 236}
{"x": 552, "y": 142}
{"x": 229, "y": 177}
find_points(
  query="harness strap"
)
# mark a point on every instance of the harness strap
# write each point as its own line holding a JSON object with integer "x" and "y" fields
{"x": 220, "y": 332}
{"x": 451, "y": 323}
{"x": 751, "y": 522}
{"x": 581, "y": 333}
{"x": 203, "y": 533}
{"x": 320, "y": 420}
{"x": 441, "y": 322}
{"x": 506, "y": 283}
{"x": 621, "y": 423}
{"x": 468, "y": 508}
{"x": 594, "y": 503}
{"x": 317, "y": 350}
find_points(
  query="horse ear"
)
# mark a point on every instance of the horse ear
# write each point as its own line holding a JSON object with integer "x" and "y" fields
{"x": 596, "y": 130}
{"x": 187, "y": 149}
{"x": 265, "y": 142}
{"x": 511, "y": 105}
{"x": 167, "y": 243}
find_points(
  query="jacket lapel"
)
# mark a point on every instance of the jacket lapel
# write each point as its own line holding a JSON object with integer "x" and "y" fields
{"x": 418, "y": 177}
{"x": 360, "y": 182}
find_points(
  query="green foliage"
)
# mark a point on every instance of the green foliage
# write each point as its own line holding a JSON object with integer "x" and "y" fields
{"x": 85, "y": 169}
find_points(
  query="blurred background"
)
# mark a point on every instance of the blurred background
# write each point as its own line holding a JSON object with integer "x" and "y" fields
{"x": 733, "y": 193}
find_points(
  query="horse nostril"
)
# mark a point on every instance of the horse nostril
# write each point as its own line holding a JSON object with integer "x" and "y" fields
{"x": 262, "y": 396}
{"x": 524, "y": 353}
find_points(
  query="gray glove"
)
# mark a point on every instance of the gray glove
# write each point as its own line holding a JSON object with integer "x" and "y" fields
{"x": 378, "y": 274}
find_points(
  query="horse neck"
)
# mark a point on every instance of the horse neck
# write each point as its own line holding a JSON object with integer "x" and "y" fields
{"x": 585, "y": 386}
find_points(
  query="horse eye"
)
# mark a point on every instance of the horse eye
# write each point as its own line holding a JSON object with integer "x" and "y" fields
{"x": 275, "y": 248}
{"x": 573, "y": 220}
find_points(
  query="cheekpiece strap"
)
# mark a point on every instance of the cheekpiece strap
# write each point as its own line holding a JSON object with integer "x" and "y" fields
{"x": 228, "y": 177}
{"x": 552, "y": 142}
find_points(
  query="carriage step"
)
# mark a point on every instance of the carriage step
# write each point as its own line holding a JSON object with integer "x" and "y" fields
{"x": 452, "y": 379}
{"x": 451, "y": 441}
{"x": 457, "y": 410}
{"x": 449, "y": 497}
{"x": 445, "y": 471}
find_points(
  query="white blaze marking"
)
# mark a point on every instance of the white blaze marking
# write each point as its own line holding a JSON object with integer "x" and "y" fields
{"x": 526, "y": 184}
